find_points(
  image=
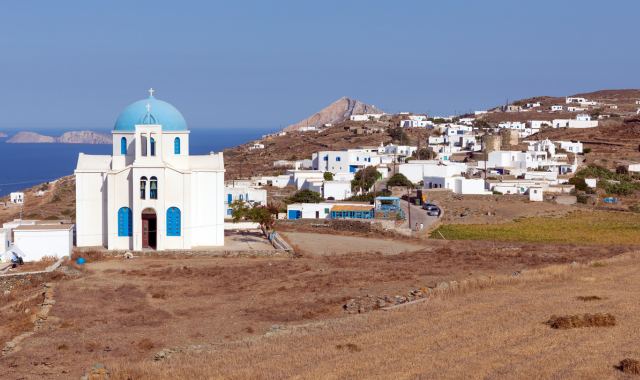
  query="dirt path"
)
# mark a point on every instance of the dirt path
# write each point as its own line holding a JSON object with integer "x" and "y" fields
{"x": 325, "y": 244}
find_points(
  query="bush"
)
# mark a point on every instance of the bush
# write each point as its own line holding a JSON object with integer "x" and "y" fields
{"x": 305, "y": 196}
{"x": 579, "y": 183}
{"x": 328, "y": 176}
{"x": 586, "y": 150}
{"x": 399, "y": 179}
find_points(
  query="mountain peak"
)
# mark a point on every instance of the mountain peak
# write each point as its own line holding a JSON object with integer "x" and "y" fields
{"x": 336, "y": 112}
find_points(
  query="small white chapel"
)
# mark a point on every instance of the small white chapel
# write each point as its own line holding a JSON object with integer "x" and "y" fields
{"x": 150, "y": 193}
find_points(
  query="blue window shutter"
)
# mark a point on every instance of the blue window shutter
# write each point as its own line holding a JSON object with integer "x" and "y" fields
{"x": 176, "y": 145}
{"x": 173, "y": 221}
{"x": 123, "y": 146}
{"x": 125, "y": 222}
{"x": 229, "y": 198}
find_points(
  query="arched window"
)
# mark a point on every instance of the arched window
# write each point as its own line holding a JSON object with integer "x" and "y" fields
{"x": 173, "y": 221}
{"x": 176, "y": 145}
{"x": 153, "y": 188}
{"x": 125, "y": 222}
{"x": 152, "y": 142}
{"x": 123, "y": 146}
{"x": 143, "y": 188}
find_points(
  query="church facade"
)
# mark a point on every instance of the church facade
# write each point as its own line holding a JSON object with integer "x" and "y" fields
{"x": 150, "y": 193}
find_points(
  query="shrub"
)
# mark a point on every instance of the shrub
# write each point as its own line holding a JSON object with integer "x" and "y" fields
{"x": 305, "y": 196}
{"x": 586, "y": 150}
{"x": 365, "y": 178}
{"x": 399, "y": 179}
{"x": 328, "y": 176}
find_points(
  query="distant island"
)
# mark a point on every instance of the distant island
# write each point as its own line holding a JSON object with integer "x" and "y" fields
{"x": 73, "y": 137}
{"x": 2, "y": 135}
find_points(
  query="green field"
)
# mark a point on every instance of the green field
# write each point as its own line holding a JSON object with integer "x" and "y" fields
{"x": 600, "y": 227}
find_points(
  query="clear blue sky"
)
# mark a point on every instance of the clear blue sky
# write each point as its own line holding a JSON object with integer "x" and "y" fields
{"x": 76, "y": 64}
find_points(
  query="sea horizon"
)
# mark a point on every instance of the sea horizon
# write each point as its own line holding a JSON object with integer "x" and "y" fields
{"x": 28, "y": 164}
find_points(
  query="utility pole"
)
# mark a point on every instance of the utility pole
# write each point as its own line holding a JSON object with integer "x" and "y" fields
{"x": 409, "y": 206}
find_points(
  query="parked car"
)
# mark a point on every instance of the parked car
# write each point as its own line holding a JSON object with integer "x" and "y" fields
{"x": 432, "y": 210}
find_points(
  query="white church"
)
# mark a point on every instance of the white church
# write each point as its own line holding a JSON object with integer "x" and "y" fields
{"x": 150, "y": 193}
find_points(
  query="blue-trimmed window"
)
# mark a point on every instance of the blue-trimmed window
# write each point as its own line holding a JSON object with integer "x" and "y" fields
{"x": 326, "y": 158}
{"x": 338, "y": 159}
{"x": 143, "y": 188}
{"x": 153, "y": 146}
{"x": 125, "y": 222}
{"x": 123, "y": 146}
{"x": 176, "y": 145}
{"x": 173, "y": 221}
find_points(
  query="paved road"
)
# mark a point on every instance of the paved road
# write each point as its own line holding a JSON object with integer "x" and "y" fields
{"x": 418, "y": 215}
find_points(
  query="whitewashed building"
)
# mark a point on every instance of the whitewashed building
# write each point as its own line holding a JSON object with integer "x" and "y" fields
{"x": 416, "y": 170}
{"x": 150, "y": 193}
{"x": 43, "y": 240}
{"x": 241, "y": 192}
{"x": 16, "y": 198}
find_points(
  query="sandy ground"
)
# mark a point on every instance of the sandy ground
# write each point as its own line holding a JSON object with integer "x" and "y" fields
{"x": 127, "y": 310}
{"x": 325, "y": 244}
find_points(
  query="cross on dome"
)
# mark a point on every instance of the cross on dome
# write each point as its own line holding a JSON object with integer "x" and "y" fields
{"x": 151, "y": 91}
{"x": 148, "y": 107}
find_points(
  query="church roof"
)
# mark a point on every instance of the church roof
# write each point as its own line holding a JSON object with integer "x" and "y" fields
{"x": 92, "y": 163}
{"x": 150, "y": 111}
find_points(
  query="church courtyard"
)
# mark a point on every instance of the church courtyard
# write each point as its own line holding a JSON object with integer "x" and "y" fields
{"x": 127, "y": 313}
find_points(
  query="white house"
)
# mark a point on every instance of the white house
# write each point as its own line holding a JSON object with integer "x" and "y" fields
{"x": 350, "y": 160}
{"x": 634, "y": 168}
{"x": 43, "y": 240}
{"x": 536, "y": 194}
{"x": 336, "y": 190}
{"x": 150, "y": 193}
{"x": 538, "y": 124}
{"x": 556, "y": 108}
{"x": 581, "y": 121}
{"x": 366, "y": 117}
{"x": 256, "y": 145}
{"x": 457, "y": 184}
{"x": 571, "y": 146}
{"x": 591, "y": 182}
{"x": 410, "y": 123}
{"x": 576, "y": 109}
{"x": 416, "y": 170}
{"x": 16, "y": 198}
{"x": 247, "y": 194}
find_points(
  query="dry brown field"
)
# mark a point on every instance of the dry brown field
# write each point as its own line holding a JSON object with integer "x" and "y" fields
{"x": 122, "y": 312}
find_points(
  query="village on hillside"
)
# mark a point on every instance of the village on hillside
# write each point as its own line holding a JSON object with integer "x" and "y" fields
{"x": 331, "y": 218}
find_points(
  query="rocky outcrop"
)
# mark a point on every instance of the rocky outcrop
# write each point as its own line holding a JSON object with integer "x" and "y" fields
{"x": 74, "y": 137}
{"x": 336, "y": 112}
{"x": 84, "y": 137}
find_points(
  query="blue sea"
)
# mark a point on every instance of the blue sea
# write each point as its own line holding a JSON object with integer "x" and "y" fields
{"x": 26, "y": 165}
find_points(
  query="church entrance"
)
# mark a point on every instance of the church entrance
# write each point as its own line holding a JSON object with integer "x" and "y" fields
{"x": 149, "y": 229}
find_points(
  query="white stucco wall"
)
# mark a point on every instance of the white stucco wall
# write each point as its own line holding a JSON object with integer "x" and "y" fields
{"x": 36, "y": 244}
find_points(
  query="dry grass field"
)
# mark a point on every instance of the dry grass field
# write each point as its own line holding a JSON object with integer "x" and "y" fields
{"x": 122, "y": 312}
{"x": 498, "y": 331}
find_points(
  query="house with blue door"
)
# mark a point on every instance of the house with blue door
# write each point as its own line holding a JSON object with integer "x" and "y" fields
{"x": 330, "y": 210}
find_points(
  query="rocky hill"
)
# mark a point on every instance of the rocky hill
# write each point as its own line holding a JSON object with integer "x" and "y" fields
{"x": 337, "y": 112}
{"x": 74, "y": 137}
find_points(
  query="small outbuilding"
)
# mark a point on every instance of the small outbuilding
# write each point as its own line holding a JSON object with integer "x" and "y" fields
{"x": 17, "y": 198}
{"x": 44, "y": 240}
{"x": 536, "y": 194}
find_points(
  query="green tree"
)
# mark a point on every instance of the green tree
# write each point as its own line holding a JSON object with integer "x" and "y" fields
{"x": 239, "y": 210}
{"x": 399, "y": 179}
{"x": 365, "y": 178}
{"x": 328, "y": 176}
{"x": 261, "y": 215}
{"x": 305, "y": 196}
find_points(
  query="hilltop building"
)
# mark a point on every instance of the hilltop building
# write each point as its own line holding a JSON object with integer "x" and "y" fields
{"x": 150, "y": 193}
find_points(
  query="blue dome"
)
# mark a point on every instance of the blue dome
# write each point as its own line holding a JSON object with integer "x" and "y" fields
{"x": 150, "y": 111}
